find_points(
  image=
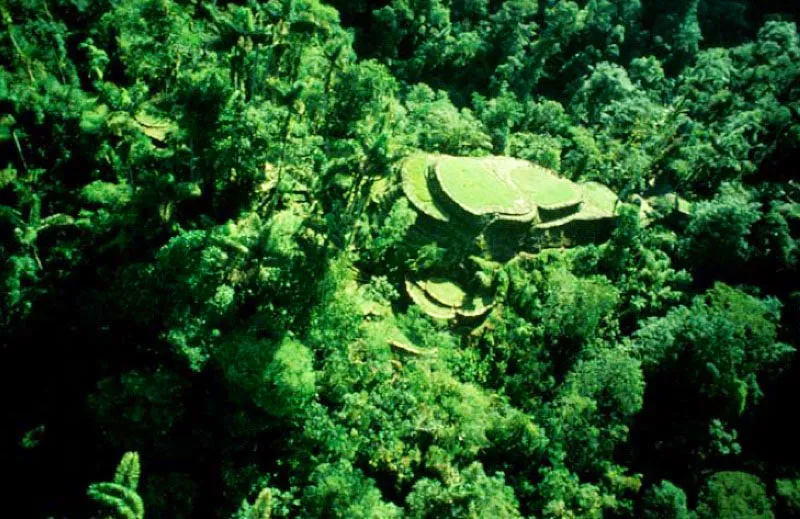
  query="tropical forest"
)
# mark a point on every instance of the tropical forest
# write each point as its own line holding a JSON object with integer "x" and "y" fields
{"x": 400, "y": 259}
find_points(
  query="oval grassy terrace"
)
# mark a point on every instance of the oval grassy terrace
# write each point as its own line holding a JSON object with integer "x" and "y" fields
{"x": 444, "y": 292}
{"x": 426, "y": 303}
{"x": 599, "y": 197}
{"x": 444, "y": 299}
{"x": 463, "y": 191}
{"x": 477, "y": 306}
{"x": 505, "y": 188}
{"x": 474, "y": 185}
{"x": 547, "y": 190}
{"x": 415, "y": 186}
{"x": 598, "y": 202}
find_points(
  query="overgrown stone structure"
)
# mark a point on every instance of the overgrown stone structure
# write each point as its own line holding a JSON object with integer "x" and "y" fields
{"x": 495, "y": 207}
{"x": 514, "y": 204}
{"x": 486, "y": 210}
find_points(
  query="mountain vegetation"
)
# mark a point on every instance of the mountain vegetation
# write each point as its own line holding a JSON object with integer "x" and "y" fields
{"x": 348, "y": 259}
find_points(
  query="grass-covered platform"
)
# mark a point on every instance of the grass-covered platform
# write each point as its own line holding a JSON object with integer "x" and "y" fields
{"x": 416, "y": 186}
{"x": 445, "y": 299}
{"x": 499, "y": 206}
{"x": 476, "y": 187}
{"x": 515, "y": 204}
{"x": 552, "y": 195}
{"x": 480, "y": 190}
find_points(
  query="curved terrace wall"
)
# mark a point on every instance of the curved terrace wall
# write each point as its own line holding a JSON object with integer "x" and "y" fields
{"x": 451, "y": 206}
{"x": 558, "y": 211}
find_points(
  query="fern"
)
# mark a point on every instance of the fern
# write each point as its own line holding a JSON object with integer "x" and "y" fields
{"x": 128, "y": 471}
{"x": 262, "y": 508}
{"x": 120, "y": 497}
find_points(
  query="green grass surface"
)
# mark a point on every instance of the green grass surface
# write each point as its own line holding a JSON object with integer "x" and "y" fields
{"x": 415, "y": 186}
{"x": 428, "y": 306}
{"x": 443, "y": 299}
{"x": 599, "y": 196}
{"x": 444, "y": 292}
{"x": 667, "y": 203}
{"x": 475, "y": 307}
{"x": 544, "y": 188}
{"x": 511, "y": 189}
{"x": 473, "y": 185}
{"x": 598, "y": 204}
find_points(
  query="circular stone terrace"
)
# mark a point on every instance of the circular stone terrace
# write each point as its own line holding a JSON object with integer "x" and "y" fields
{"x": 445, "y": 299}
{"x": 512, "y": 202}
{"x": 516, "y": 206}
{"x": 486, "y": 188}
{"x": 480, "y": 187}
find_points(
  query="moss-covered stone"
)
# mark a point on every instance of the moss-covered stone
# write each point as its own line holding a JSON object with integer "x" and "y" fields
{"x": 430, "y": 307}
{"x": 497, "y": 207}
{"x": 415, "y": 186}
{"x": 444, "y": 292}
{"x": 477, "y": 306}
{"x": 552, "y": 195}
{"x": 475, "y": 186}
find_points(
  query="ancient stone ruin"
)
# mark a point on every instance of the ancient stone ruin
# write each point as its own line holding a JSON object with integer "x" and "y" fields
{"x": 489, "y": 210}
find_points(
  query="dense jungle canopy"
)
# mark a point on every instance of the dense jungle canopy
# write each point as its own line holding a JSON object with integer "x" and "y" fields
{"x": 389, "y": 259}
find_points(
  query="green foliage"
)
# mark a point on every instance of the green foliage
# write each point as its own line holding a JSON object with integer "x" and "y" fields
{"x": 594, "y": 407}
{"x": 665, "y": 501}
{"x": 613, "y": 380}
{"x": 575, "y": 308}
{"x": 173, "y": 493}
{"x": 788, "y": 497}
{"x": 734, "y": 495}
{"x": 391, "y": 235}
{"x": 260, "y": 509}
{"x": 341, "y": 491}
{"x": 541, "y": 149}
{"x": 288, "y": 379}
{"x": 723, "y": 441}
{"x": 219, "y": 270}
{"x": 440, "y": 127}
{"x": 723, "y": 223}
{"x": 499, "y": 115}
{"x": 550, "y": 317}
{"x": 32, "y": 438}
{"x": 123, "y": 502}
{"x": 106, "y": 194}
{"x": 636, "y": 261}
{"x": 676, "y": 30}
{"x": 278, "y": 378}
{"x": 772, "y": 237}
{"x": 725, "y": 343}
{"x": 139, "y": 408}
{"x": 572, "y": 311}
{"x": 467, "y": 494}
{"x": 607, "y": 84}
{"x": 563, "y": 495}
{"x": 734, "y": 99}
{"x": 203, "y": 253}
{"x": 128, "y": 471}
{"x": 120, "y": 497}
{"x": 425, "y": 402}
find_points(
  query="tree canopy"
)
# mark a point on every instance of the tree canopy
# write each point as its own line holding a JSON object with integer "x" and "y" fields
{"x": 520, "y": 259}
